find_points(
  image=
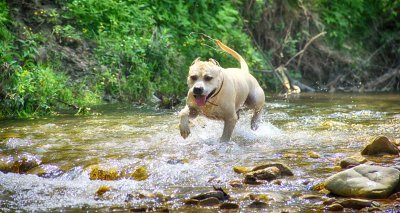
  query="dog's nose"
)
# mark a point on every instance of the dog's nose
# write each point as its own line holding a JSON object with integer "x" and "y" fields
{"x": 198, "y": 90}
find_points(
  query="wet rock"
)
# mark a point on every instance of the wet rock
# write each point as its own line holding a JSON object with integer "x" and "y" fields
{"x": 20, "y": 163}
{"x": 241, "y": 169}
{"x": 364, "y": 181}
{"x": 329, "y": 201}
{"x": 335, "y": 207}
{"x": 352, "y": 161}
{"x": 258, "y": 204}
{"x": 236, "y": 183}
{"x": 228, "y": 206}
{"x": 211, "y": 201}
{"x": 140, "y": 174}
{"x": 260, "y": 197}
{"x": 139, "y": 209}
{"x": 250, "y": 179}
{"x": 97, "y": 173}
{"x": 47, "y": 171}
{"x": 191, "y": 202}
{"x": 394, "y": 196}
{"x": 102, "y": 190}
{"x": 313, "y": 154}
{"x": 219, "y": 194}
{"x": 283, "y": 168}
{"x": 380, "y": 146}
{"x": 311, "y": 197}
{"x": 358, "y": 203}
{"x": 277, "y": 182}
{"x": 269, "y": 173}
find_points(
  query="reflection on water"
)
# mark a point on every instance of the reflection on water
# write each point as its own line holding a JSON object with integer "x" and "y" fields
{"x": 61, "y": 150}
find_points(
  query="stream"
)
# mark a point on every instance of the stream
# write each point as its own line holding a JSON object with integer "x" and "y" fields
{"x": 47, "y": 164}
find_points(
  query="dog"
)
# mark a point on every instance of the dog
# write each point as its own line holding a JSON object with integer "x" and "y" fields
{"x": 220, "y": 93}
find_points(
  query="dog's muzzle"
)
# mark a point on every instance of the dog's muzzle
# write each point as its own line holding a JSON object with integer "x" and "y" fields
{"x": 198, "y": 90}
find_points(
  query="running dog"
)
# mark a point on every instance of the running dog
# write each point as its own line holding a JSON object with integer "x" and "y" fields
{"x": 219, "y": 93}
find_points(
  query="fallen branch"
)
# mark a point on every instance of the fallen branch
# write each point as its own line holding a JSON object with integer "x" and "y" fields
{"x": 382, "y": 79}
{"x": 305, "y": 47}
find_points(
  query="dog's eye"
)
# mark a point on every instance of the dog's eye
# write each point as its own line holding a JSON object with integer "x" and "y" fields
{"x": 193, "y": 77}
{"x": 208, "y": 78}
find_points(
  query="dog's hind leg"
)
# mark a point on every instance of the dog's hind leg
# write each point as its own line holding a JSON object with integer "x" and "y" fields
{"x": 256, "y": 102}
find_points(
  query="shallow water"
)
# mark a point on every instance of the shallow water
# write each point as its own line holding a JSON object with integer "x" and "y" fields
{"x": 123, "y": 138}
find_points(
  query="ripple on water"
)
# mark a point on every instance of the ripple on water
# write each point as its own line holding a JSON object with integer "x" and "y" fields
{"x": 179, "y": 168}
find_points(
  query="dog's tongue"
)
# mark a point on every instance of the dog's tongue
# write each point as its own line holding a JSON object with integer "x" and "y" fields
{"x": 201, "y": 100}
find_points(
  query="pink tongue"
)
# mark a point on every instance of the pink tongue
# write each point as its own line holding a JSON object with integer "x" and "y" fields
{"x": 201, "y": 100}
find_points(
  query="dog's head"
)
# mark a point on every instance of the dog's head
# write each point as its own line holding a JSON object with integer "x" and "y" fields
{"x": 204, "y": 80}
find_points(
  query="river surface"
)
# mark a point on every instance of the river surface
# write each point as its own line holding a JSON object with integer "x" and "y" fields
{"x": 66, "y": 148}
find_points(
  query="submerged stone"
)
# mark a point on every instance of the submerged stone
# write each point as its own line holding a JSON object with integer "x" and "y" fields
{"x": 380, "y": 146}
{"x": 364, "y": 181}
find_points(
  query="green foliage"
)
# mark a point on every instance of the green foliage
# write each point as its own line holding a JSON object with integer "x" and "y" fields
{"x": 147, "y": 46}
{"x": 359, "y": 21}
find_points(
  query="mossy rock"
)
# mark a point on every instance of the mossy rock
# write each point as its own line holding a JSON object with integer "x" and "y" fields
{"x": 241, "y": 169}
{"x": 102, "y": 190}
{"x": 97, "y": 173}
{"x": 140, "y": 174}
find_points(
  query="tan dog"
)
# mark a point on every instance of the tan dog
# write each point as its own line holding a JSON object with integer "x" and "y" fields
{"x": 219, "y": 93}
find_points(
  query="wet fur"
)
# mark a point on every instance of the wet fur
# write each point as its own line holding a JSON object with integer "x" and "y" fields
{"x": 228, "y": 90}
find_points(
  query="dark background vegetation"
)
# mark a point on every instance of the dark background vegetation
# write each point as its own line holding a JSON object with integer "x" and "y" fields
{"x": 73, "y": 54}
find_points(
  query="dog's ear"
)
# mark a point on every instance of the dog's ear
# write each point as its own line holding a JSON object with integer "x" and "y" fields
{"x": 195, "y": 61}
{"x": 214, "y": 61}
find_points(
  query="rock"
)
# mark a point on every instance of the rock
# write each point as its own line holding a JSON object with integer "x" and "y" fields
{"x": 352, "y": 161}
{"x": 241, "y": 169}
{"x": 258, "y": 204}
{"x": 358, "y": 203}
{"x": 228, "y": 206}
{"x": 394, "y": 196}
{"x": 140, "y": 174}
{"x": 311, "y": 197}
{"x": 380, "y": 146}
{"x": 47, "y": 171}
{"x": 284, "y": 169}
{"x": 211, "y": 201}
{"x": 329, "y": 201}
{"x": 261, "y": 197}
{"x": 102, "y": 190}
{"x": 236, "y": 183}
{"x": 313, "y": 154}
{"x": 220, "y": 195}
{"x": 269, "y": 173}
{"x": 335, "y": 207}
{"x": 364, "y": 181}
{"x": 250, "y": 179}
{"x": 191, "y": 202}
{"x": 97, "y": 173}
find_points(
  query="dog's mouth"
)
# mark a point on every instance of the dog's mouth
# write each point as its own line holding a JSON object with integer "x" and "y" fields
{"x": 201, "y": 100}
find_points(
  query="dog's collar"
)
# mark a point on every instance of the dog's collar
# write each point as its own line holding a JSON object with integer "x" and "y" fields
{"x": 216, "y": 93}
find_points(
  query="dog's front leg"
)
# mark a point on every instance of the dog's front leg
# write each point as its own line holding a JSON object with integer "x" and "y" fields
{"x": 185, "y": 114}
{"x": 229, "y": 125}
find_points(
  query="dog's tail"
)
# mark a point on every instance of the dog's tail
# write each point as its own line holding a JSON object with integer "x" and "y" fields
{"x": 243, "y": 64}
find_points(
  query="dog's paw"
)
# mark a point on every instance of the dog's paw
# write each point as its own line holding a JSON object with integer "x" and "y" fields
{"x": 185, "y": 131}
